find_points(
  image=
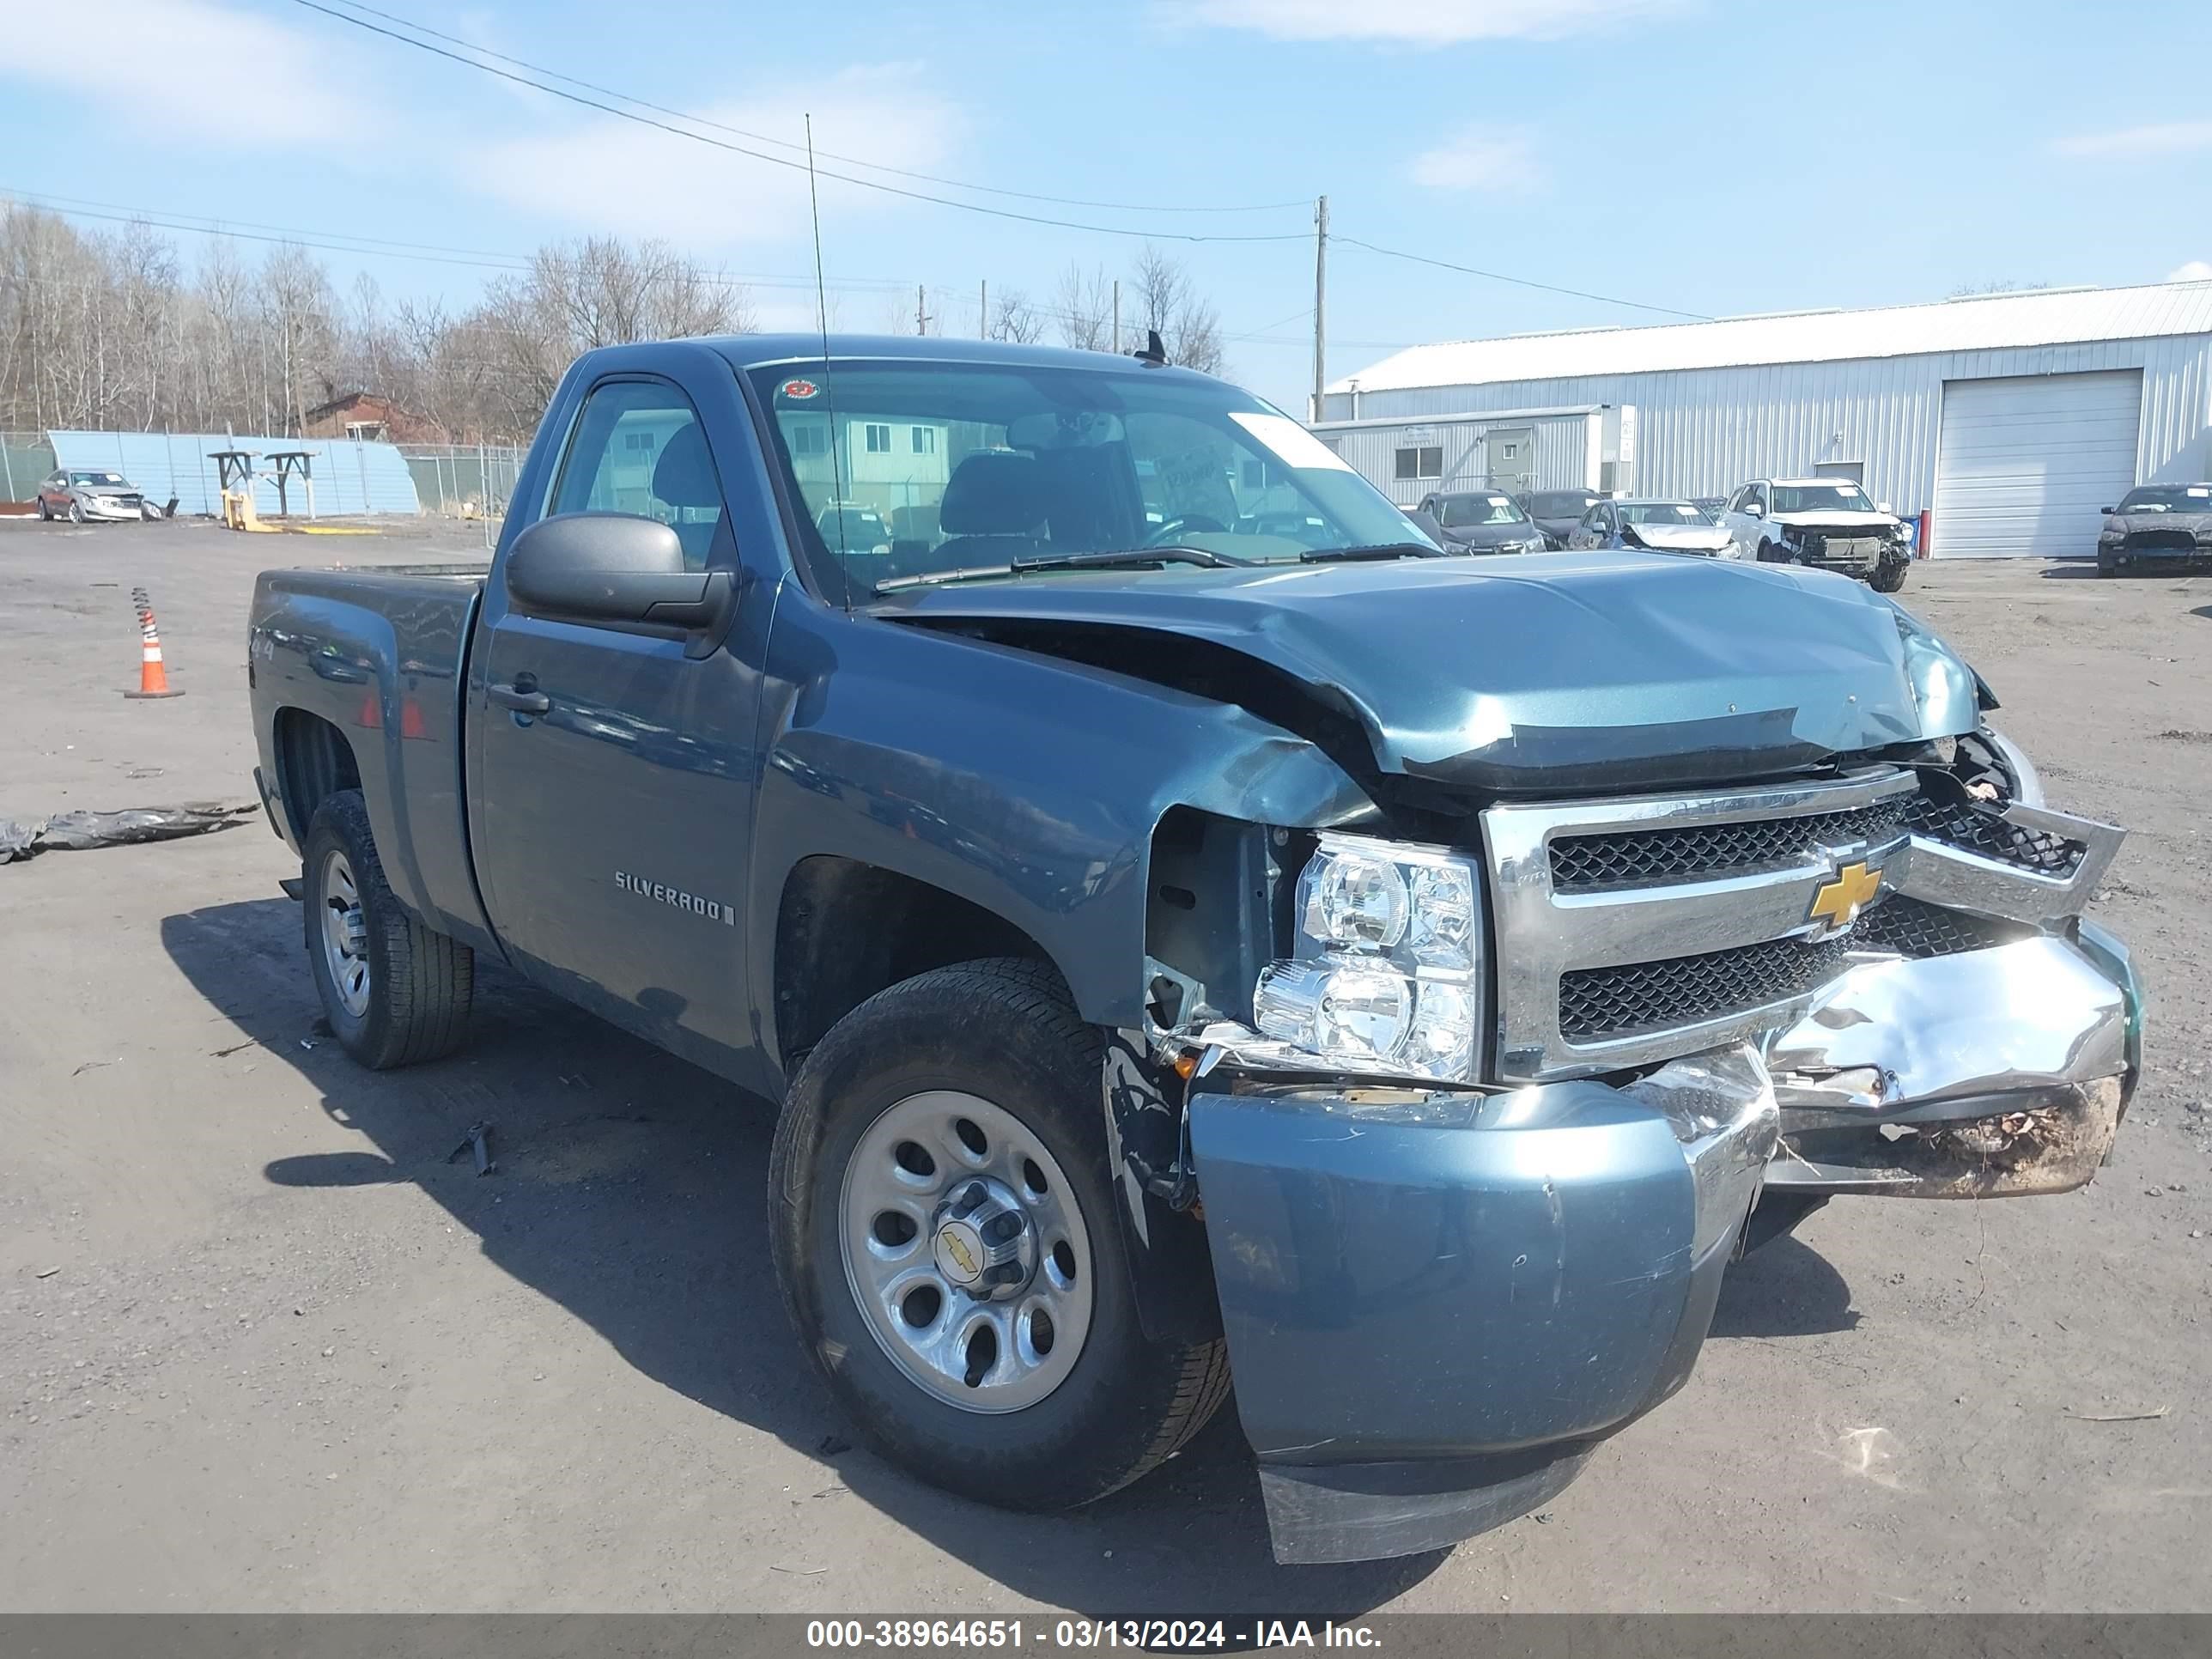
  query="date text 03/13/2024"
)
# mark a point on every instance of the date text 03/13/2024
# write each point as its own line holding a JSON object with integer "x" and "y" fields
{"x": 1148, "y": 1635}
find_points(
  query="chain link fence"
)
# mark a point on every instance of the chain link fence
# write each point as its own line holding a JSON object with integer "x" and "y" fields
{"x": 25, "y": 459}
{"x": 464, "y": 481}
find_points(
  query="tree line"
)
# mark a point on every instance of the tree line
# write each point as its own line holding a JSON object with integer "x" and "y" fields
{"x": 115, "y": 330}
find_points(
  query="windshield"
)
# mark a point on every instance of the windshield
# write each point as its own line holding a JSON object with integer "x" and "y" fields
{"x": 1561, "y": 503}
{"x": 910, "y": 468}
{"x": 2169, "y": 498}
{"x": 1821, "y": 498}
{"x": 1661, "y": 512}
{"x": 1455, "y": 511}
{"x": 95, "y": 477}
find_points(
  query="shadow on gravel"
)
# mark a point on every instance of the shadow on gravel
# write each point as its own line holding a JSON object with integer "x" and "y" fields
{"x": 1784, "y": 1288}
{"x": 2083, "y": 570}
{"x": 633, "y": 1190}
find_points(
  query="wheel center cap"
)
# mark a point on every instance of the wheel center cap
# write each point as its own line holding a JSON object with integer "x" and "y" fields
{"x": 960, "y": 1253}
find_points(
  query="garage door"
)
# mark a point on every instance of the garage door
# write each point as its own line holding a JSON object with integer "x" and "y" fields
{"x": 2024, "y": 465}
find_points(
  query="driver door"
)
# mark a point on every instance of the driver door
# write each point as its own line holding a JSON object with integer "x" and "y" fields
{"x": 611, "y": 777}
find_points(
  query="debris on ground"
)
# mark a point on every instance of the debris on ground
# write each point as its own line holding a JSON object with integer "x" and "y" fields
{"x": 80, "y": 832}
{"x": 479, "y": 1142}
{"x": 2119, "y": 1417}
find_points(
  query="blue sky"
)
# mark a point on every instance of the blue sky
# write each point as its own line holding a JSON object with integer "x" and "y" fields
{"x": 1714, "y": 156}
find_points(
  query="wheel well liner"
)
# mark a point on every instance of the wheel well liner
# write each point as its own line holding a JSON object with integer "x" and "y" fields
{"x": 314, "y": 761}
{"x": 845, "y": 930}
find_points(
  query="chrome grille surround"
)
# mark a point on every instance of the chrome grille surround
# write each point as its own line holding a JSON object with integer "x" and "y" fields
{"x": 1544, "y": 934}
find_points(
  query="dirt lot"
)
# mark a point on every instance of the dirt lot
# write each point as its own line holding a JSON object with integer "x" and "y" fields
{"x": 263, "y": 1347}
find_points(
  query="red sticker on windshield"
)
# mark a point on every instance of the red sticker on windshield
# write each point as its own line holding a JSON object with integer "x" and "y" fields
{"x": 799, "y": 388}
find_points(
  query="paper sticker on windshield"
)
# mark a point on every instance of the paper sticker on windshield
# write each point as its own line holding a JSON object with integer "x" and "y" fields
{"x": 798, "y": 388}
{"x": 1289, "y": 442}
{"x": 2199, "y": 491}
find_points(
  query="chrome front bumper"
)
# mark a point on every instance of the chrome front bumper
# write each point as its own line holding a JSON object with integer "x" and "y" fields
{"x": 1989, "y": 1073}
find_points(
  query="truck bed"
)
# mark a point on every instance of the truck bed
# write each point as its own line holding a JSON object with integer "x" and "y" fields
{"x": 379, "y": 655}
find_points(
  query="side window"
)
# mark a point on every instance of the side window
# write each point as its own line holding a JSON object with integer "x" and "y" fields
{"x": 639, "y": 448}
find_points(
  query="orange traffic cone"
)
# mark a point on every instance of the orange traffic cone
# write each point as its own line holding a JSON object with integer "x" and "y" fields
{"x": 153, "y": 677}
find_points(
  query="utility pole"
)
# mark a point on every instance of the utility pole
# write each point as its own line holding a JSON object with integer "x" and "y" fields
{"x": 983, "y": 308}
{"x": 1320, "y": 299}
{"x": 1117, "y": 316}
{"x": 921, "y": 317}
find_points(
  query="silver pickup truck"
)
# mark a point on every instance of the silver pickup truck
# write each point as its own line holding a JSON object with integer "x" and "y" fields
{"x": 1202, "y": 935}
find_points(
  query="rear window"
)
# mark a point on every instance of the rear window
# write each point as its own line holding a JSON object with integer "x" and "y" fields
{"x": 1562, "y": 503}
{"x": 1461, "y": 510}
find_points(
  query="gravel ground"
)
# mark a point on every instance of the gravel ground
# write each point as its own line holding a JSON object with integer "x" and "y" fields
{"x": 263, "y": 1347}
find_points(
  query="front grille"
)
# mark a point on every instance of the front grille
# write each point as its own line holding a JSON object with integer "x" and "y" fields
{"x": 1913, "y": 928}
{"x": 1981, "y": 831}
{"x": 1842, "y": 549}
{"x": 1640, "y": 857}
{"x": 1598, "y": 1003}
{"x": 2144, "y": 540}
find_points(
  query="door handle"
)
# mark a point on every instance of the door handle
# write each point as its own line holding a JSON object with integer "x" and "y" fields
{"x": 521, "y": 697}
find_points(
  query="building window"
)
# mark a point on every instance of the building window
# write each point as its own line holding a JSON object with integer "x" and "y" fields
{"x": 641, "y": 442}
{"x": 1424, "y": 462}
{"x": 879, "y": 440}
{"x": 925, "y": 440}
{"x": 809, "y": 439}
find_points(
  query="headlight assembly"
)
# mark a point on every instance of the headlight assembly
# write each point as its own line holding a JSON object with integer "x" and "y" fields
{"x": 1386, "y": 977}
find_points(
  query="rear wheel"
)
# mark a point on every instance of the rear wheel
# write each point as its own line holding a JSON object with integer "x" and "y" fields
{"x": 944, "y": 1231}
{"x": 396, "y": 992}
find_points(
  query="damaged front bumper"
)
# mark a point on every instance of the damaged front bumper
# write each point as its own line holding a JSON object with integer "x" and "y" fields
{"x": 1992, "y": 1073}
{"x": 1439, "y": 1302}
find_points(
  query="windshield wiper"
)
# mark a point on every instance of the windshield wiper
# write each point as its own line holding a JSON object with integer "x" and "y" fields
{"x": 1371, "y": 550}
{"x": 1112, "y": 559}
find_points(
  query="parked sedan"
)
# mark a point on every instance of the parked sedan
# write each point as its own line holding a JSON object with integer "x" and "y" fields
{"x": 1482, "y": 521}
{"x": 1652, "y": 526}
{"x": 1557, "y": 511}
{"x": 82, "y": 494}
{"x": 2157, "y": 526}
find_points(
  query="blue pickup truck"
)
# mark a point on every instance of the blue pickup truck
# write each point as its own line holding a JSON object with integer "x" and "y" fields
{"x": 1202, "y": 935}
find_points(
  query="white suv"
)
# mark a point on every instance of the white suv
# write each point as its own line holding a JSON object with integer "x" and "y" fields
{"x": 1825, "y": 522}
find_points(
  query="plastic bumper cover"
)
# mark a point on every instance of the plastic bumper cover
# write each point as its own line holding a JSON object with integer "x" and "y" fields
{"x": 1436, "y": 1302}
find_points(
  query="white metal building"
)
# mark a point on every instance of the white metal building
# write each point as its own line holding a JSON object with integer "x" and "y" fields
{"x": 2012, "y": 418}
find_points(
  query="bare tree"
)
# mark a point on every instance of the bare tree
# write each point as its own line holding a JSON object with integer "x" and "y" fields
{"x": 1084, "y": 301}
{"x": 1013, "y": 318}
{"x": 1165, "y": 299}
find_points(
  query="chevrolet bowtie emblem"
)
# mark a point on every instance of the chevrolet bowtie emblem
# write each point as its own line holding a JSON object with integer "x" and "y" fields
{"x": 1837, "y": 902}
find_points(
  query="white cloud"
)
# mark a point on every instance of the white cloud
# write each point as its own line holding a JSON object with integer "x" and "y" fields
{"x": 186, "y": 69}
{"x": 606, "y": 174}
{"x": 1496, "y": 159}
{"x": 2160, "y": 139}
{"x": 1424, "y": 23}
{"x": 2197, "y": 271}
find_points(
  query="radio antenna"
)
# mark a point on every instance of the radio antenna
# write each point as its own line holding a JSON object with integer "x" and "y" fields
{"x": 829, "y": 399}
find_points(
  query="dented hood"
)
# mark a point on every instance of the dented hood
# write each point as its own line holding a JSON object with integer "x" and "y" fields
{"x": 1568, "y": 671}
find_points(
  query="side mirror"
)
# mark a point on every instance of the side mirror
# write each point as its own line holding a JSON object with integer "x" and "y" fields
{"x": 1884, "y": 506}
{"x": 2109, "y": 511}
{"x": 1754, "y": 510}
{"x": 613, "y": 568}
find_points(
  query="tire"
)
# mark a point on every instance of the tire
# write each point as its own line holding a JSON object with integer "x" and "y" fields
{"x": 45, "y": 512}
{"x": 1766, "y": 553}
{"x": 411, "y": 1000}
{"x": 1003, "y": 1033}
{"x": 76, "y": 512}
{"x": 1889, "y": 575}
{"x": 2105, "y": 567}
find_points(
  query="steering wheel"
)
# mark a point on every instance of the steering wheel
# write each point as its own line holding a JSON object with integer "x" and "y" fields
{"x": 1176, "y": 529}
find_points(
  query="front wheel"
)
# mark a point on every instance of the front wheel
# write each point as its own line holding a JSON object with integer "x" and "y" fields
{"x": 77, "y": 512}
{"x": 1889, "y": 575}
{"x": 396, "y": 992}
{"x": 942, "y": 1220}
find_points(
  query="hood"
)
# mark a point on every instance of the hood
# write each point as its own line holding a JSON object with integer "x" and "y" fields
{"x": 2196, "y": 524}
{"x": 1556, "y": 672}
{"x": 1682, "y": 538}
{"x": 1841, "y": 522}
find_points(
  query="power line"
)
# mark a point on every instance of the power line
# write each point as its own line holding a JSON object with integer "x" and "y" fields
{"x": 1518, "y": 282}
{"x": 796, "y": 166}
{"x": 786, "y": 143}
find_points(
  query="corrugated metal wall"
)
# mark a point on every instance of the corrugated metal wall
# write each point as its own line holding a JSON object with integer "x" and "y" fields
{"x": 1562, "y": 452}
{"x": 1701, "y": 432}
{"x": 350, "y": 476}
